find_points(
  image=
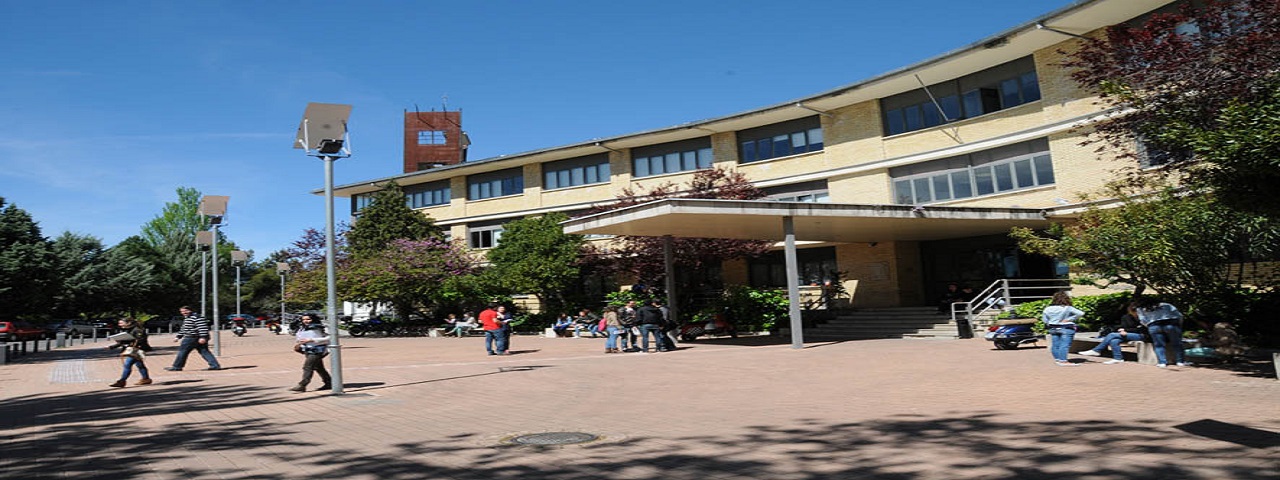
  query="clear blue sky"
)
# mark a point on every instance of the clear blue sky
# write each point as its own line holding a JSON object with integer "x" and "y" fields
{"x": 107, "y": 107}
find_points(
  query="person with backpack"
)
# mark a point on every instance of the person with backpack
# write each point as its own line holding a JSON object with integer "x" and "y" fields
{"x": 613, "y": 328}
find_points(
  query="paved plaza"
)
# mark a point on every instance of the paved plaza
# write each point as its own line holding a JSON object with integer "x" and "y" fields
{"x": 714, "y": 409}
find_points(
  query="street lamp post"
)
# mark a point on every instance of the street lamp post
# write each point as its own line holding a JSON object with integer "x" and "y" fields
{"x": 204, "y": 241}
{"x": 323, "y": 134}
{"x": 282, "y": 268}
{"x": 238, "y": 258}
{"x": 214, "y": 207}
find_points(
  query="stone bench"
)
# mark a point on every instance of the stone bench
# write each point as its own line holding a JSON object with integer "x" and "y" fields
{"x": 1144, "y": 352}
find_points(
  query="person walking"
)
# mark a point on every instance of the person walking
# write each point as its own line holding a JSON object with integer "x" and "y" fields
{"x": 1060, "y": 317}
{"x": 313, "y": 342}
{"x": 495, "y": 331}
{"x": 1164, "y": 324}
{"x": 194, "y": 335}
{"x": 132, "y": 352}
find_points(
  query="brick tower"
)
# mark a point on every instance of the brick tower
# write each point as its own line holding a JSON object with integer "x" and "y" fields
{"x": 432, "y": 139}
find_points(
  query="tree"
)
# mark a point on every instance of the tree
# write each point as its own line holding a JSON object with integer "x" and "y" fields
{"x": 535, "y": 256}
{"x": 1177, "y": 242}
{"x": 408, "y": 274}
{"x": 1203, "y": 82}
{"x": 386, "y": 220}
{"x": 642, "y": 256}
{"x": 27, "y": 265}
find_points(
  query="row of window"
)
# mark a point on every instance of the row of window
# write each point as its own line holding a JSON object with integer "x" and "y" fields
{"x": 975, "y": 181}
{"x": 671, "y": 162}
{"x": 428, "y": 198}
{"x": 1009, "y": 92}
{"x": 575, "y": 175}
{"x": 781, "y": 145}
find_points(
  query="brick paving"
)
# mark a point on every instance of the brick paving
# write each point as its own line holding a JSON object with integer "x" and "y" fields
{"x": 714, "y": 409}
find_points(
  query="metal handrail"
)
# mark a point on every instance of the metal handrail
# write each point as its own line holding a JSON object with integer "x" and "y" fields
{"x": 1003, "y": 295}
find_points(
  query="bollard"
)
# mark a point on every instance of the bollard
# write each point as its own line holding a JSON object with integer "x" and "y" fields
{"x": 4, "y": 354}
{"x": 61, "y": 339}
{"x": 35, "y": 346}
{"x": 48, "y": 344}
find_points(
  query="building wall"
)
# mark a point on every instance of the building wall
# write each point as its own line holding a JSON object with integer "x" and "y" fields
{"x": 888, "y": 273}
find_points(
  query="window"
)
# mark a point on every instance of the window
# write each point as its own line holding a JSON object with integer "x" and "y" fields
{"x": 495, "y": 184}
{"x": 990, "y": 90}
{"x": 484, "y": 237}
{"x": 780, "y": 140}
{"x": 575, "y": 172}
{"x": 816, "y": 265}
{"x": 671, "y": 157}
{"x": 360, "y": 201}
{"x": 813, "y": 192}
{"x": 1150, "y": 155}
{"x": 431, "y": 137}
{"x": 431, "y": 194}
{"x": 1008, "y": 168}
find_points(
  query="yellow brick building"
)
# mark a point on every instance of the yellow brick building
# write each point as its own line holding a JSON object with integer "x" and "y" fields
{"x": 970, "y": 142}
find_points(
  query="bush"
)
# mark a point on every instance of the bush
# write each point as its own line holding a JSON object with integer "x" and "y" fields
{"x": 753, "y": 309}
{"x": 1098, "y": 310}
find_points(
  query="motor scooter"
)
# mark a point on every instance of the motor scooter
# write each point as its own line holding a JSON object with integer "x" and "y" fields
{"x": 1007, "y": 334}
{"x": 239, "y": 329}
{"x": 273, "y": 327}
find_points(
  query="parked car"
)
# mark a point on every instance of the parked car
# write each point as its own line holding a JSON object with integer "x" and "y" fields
{"x": 20, "y": 332}
{"x": 163, "y": 324}
{"x": 76, "y": 326}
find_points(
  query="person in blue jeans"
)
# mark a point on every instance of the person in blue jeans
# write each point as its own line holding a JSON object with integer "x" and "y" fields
{"x": 614, "y": 328}
{"x": 1164, "y": 324}
{"x": 1060, "y": 317}
{"x": 1130, "y": 331}
{"x": 194, "y": 335}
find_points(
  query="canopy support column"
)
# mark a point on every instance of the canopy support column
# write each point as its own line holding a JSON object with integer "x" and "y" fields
{"x": 793, "y": 282}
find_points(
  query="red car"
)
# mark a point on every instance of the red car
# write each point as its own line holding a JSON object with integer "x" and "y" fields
{"x": 20, "y": 332}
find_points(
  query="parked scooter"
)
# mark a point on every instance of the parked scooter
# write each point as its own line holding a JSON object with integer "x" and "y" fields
{"x": 1007, "y": 334}
{"x": 239, "y": 329}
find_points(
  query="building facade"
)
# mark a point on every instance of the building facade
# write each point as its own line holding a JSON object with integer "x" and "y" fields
{"x": 992, "y": 125}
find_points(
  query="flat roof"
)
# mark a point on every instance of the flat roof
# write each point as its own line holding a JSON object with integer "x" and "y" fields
{"x": 824, "y": 222}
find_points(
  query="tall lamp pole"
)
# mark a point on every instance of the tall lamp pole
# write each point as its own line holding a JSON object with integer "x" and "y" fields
{"x": 323, "y": 134}
{"x": 238, "y": 258}
{"x": 282, "y": 268}
{"x": 214, "y": 207}
{"x": 204, "y": 241}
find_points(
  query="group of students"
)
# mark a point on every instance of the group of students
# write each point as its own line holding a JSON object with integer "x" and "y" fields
{"x": 311, "y": 341}
{"x": 1146, "y": 318}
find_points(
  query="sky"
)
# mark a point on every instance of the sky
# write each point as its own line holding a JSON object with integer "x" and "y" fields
{"x": 108, "y": 107}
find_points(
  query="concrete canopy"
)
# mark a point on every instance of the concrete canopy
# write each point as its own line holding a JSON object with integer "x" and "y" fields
{"x": 792, "y": 221}
{"x": 824, "y": 222}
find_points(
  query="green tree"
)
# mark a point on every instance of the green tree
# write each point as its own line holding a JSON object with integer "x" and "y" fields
{"x": 1203, "y": 82}
{"x": 386, "y": 220}
{"x": 27, "y": 265}
{"x": 535, "y": 256}
{"x": 1177, "y": 242}
{"x": 407, "y": 274}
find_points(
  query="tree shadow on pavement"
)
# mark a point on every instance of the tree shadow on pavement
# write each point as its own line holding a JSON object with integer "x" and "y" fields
{"x": 46, "y": 410}
{"x": 903, "y": 447}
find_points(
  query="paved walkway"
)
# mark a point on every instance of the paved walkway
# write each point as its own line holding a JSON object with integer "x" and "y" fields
{"x": 714, "y": 409}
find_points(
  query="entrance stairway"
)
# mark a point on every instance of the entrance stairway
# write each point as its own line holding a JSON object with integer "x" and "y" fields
{"x": 871, "y": 323}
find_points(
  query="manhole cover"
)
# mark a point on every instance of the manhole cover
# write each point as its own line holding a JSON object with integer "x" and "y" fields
{"x": 554, "y": 438}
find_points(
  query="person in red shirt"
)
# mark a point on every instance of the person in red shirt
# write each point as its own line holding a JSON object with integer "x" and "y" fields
{"x": 495, "y": 331}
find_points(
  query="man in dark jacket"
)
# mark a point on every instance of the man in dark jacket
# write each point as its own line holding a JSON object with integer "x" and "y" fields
{"x": 194, "y": 335}
{"x": 650, "y": 318}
